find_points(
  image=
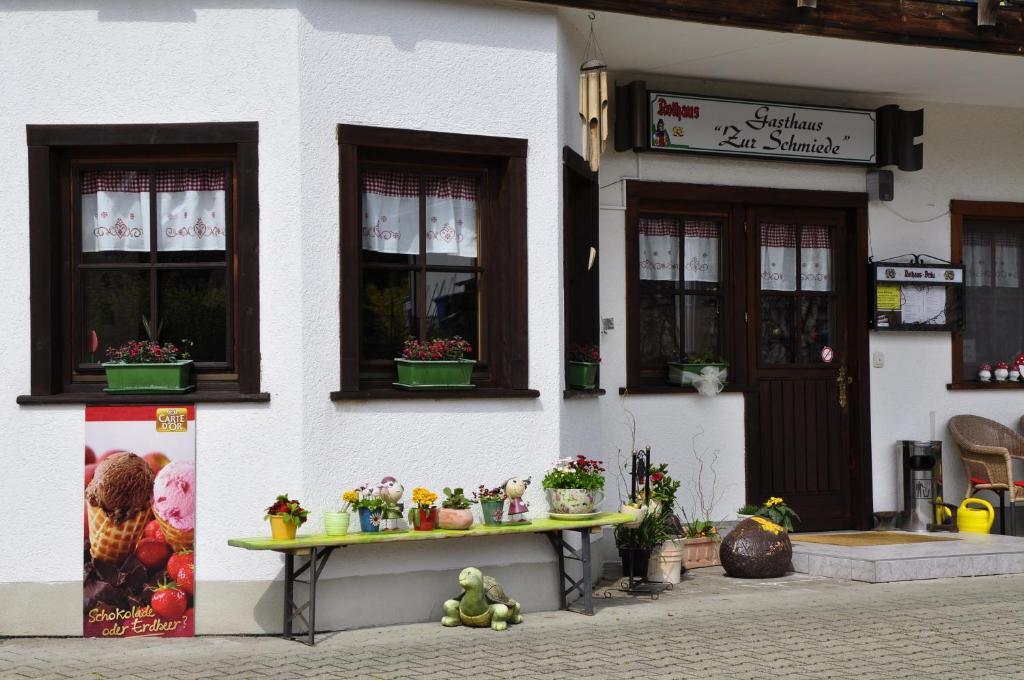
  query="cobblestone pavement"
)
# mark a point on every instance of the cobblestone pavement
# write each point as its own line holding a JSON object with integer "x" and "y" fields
{"x": 709, "y": 626}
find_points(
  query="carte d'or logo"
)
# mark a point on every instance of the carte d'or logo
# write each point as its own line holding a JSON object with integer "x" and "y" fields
{"x": 172, "y": 420}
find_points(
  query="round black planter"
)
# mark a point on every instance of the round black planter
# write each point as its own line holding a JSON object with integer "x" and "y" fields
{"x": 640, "y": 559}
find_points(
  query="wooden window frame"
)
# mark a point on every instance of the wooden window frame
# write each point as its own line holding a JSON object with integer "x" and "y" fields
{"x": 959, "y": 212}
{"x": 503, "y": 253}
{"x": 51, "y": 149}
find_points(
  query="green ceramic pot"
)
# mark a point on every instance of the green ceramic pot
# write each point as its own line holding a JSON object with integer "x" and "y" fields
{"x": 493, "y": 512}
{"x": 174, "y": 376}
{"x": 454, "y": 374}
{"x": 582, "y": 375}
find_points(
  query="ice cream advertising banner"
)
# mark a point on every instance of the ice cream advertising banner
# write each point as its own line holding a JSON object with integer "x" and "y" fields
{"x": 139, "y": 521}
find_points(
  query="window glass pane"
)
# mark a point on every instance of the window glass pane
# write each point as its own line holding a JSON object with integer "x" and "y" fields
{"x": 452, "y": 306}
{"x": 777, "y": 337}
{"x": 816, "y": 331}
{"x": 451, "y": 214}
{"x": 191, "y": 211}
{"x": 778, "y": 256}
{"x": 815, "y": 258}
{"x": 389, "y": 313}
{"x": 115, "y": 215}
{"x": 701, "y": 253}
{"x": 113, "y": 305}
{"x": 700, "y": 324}
{"x": 391, "y": 212}
{"x": 993, "y": 253}
{"x": 192, "y": 305}
{"x": 659, "y": 323}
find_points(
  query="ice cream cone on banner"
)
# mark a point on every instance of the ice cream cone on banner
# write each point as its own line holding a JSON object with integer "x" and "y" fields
{"x": 177, "y": 538}
{"x": 112, "y": 541}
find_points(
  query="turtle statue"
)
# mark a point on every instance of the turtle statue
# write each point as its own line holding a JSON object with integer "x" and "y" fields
{"x": 482, "y": 603}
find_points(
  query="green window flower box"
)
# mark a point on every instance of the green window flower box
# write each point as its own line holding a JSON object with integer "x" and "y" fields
{"x": 170, "y": 377}
{"x": 582, "y": 375}
{"x": 683, "y": 374}
{"x": 446, "y": 374}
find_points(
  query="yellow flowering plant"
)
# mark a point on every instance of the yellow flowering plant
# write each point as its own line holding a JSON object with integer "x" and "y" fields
{"x": 424, "y": 498}
{"x": 349, "y": 498}
{"x": 776, "y": 510}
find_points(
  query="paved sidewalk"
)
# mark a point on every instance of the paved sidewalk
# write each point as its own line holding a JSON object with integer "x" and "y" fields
{"x": 709, "y": 626}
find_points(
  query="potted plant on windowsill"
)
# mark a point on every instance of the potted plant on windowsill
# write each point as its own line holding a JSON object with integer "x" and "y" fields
{"x": 438, "y": 364}
{"x": 148, "y": 367}
{"x": 690, "y": 366}
{"x": 286, "y": 516}
{"x": 581, "y": 369}
{"x": 455, "y": 512}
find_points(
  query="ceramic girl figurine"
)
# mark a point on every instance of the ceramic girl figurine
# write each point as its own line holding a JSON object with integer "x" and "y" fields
{"x": 514, "y": 489}
{"x": 391, "y": 492}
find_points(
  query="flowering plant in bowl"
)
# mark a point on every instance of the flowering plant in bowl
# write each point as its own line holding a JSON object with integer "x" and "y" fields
{"x": 437, "y": 364}
{"x": 574, "y": 486}
{"x": 581, "y": 371}
{"x": 776, "y": 510}
{"x": 285, "y": 515}
{"x": 455, "y": 512}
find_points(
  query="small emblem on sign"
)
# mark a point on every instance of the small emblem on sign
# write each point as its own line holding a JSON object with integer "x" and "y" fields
{"x": 172, "y": 420}
{"x": 827, "y": 354}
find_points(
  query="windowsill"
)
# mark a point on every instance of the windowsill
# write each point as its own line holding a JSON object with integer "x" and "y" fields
{"x": 379, "y": 393}
{"x": 635, "y": 390}
{"x": 208, "y": 396}
{"x": 978, "y": 385}
{"x": 574, "y": 393}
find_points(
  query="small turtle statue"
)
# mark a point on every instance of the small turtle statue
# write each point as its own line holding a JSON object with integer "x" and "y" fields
{"x": 483, "y": 603}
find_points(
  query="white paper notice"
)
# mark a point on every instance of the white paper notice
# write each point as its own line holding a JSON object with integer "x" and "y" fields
{"x": 924, "y": 304}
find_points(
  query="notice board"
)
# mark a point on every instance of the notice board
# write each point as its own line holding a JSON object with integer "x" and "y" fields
{"x": 917, "y": 297}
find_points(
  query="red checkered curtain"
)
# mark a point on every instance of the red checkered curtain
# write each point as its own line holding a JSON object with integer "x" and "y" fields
{"x": 115, "y": 210}
{"x": 190, "y": 208}
{"x": 659, "y": 249}
{"x": 778, "y": 256}
{"x": 391, "y": 213}
{"x": 815, "y": 258}
{"x": 992, "y": 259}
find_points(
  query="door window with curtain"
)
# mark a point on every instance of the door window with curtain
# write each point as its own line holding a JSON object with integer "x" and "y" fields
{"x": 681, "y": 289}
{"x": 153, "y": 248}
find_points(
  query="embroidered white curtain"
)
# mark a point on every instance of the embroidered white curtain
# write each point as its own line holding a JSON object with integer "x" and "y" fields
{"x": 779, "y": 257}
{"x": 659, "y": 250}
{"x": 992, "y": 260}
{"x": 115, "y": 211}
{"x": 391, "y": 214}
{"x": 190, "y": 210}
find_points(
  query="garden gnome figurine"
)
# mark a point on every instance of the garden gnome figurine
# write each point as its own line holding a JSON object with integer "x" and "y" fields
{"x": 390, "y": 490}
{"x": 514, "y": 489}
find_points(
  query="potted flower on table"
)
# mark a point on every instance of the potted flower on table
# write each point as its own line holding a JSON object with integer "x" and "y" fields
{"x": 582, "y": 366}
{"x": 574, "y": 487}
{"x": 286, "y": 516}
{"x": 455, "y": 512}
{"x": 423, "y": 517}
{"x": 437, "y": 364}
{"x": 492, "y": 504}
{"x": 336, "y": 522}
{"x": 370, "y": 507}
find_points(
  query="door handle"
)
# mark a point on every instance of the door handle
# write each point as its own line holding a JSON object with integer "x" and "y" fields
{"x": 843, "y": 380}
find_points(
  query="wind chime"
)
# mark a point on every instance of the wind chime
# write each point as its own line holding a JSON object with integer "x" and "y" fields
{"x": 594, "y": 100}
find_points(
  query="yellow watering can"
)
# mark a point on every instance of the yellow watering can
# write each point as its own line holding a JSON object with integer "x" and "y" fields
{"x": 972, "y": 520}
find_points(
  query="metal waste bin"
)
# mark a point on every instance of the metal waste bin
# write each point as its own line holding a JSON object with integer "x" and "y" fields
{"x": 919, "y": 465}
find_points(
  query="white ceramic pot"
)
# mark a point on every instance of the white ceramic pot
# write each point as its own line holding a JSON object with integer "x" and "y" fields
{"x": 336, "y": 523}
{"x": 637, "y": 513}
{"x": 666, "y": 562}
{"x": 574, "y": 501}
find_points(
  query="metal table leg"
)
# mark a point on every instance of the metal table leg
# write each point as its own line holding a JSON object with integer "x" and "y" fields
{"x": 567, "y": 586}
{"x": 314, "y": 565}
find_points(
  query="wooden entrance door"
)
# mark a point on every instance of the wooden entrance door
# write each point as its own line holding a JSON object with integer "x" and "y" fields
{"x": 802, "y": 362}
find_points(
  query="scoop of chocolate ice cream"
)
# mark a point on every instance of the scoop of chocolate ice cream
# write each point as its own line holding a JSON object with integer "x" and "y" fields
{"x": 122, "y": 485}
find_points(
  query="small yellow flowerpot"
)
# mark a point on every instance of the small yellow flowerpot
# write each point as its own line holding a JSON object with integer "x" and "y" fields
{"x": 281, "y": 530}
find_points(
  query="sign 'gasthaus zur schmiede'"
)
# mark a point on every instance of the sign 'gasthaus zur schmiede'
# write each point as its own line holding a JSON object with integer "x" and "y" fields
{"x": 737, "y": 127}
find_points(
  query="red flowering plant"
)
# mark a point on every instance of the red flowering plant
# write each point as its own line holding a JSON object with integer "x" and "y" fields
{"x": 587, "y": 354}
{"x": 575, "y": 473}
{"x": 486, "y": 495}
{"x": 437, "y": 349}
{"x": 288, "y": 510}
{"x": 148, "y": 352}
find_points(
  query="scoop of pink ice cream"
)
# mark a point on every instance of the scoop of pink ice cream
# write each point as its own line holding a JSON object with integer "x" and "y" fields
{"x": 174, "y": 495}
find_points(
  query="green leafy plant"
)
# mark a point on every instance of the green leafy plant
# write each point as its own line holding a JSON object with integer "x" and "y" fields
{"x": 455, "y": 499}
{"x": 704, "y": 528}
{"x": 575, "y": 473}
{"x": 776, "y": 510}
{"x": 663, "y": 487}
{"x": 652, "y": 532}
{"x": 288, "y": 510}
{"x": 366, "y": 497}
{"x": 748, "y": 509}
{"x": 147, "y": 352}
{"x": 702, "y": 358}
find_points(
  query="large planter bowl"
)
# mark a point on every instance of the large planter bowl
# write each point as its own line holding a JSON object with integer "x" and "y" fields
{"x": 435, "y": 375}
{"x": 683, "y": 374}
{"x": 448, "y": 518}
{"x": 281, "y": 530}
{"x": 574, "y": 501}
{"x": 582, "y": 375}
{"x": 173, "y": 377}
{"x": 700, "y": 552}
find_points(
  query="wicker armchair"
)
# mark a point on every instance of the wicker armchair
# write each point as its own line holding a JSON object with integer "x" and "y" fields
{"x": 987, "y": 449}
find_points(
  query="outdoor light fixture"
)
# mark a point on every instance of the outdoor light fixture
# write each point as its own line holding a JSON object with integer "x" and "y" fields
{"x": 594, "y": 100}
